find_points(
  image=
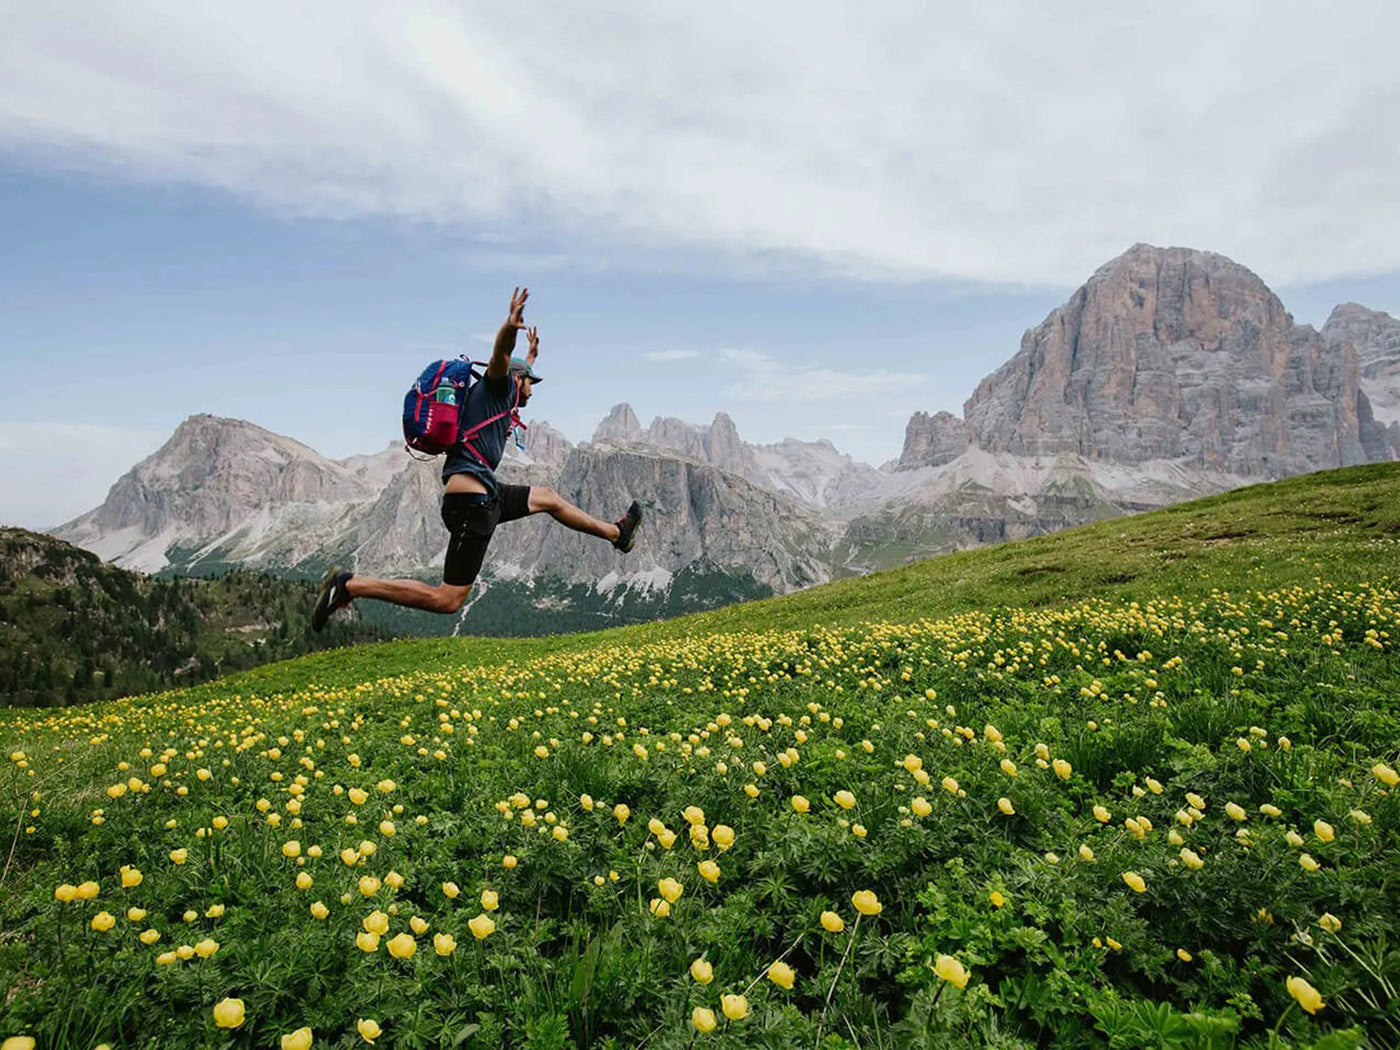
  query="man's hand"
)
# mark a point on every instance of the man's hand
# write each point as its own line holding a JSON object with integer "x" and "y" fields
{"x": 516, "y": 317}
{"x": 533, "y": 336}
{"x": 499, "y": 365}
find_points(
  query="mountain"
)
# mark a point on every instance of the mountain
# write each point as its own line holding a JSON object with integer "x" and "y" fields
{"x": 1170, "y": 374}
{"x": 74, "y": 629}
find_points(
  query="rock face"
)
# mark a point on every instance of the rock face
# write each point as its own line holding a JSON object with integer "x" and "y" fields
{"x": 931, "y": 441}
{"x": 1173, "y": 354}
{"x": 1374, "y": 338}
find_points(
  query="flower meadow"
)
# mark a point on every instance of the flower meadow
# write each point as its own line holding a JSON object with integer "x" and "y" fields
{"x": 1112, "y": 823}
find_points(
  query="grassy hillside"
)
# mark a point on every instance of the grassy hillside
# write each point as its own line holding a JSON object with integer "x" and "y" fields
{"x": 1130, "y": 785}
{"x": 73, "y": 629}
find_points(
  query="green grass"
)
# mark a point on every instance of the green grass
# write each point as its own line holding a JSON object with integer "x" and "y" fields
{"x": 1128, "y": 780}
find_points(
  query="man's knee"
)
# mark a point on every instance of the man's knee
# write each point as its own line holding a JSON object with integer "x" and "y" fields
{"x": 450, "y": 598}
{"x": 544, "y": 499}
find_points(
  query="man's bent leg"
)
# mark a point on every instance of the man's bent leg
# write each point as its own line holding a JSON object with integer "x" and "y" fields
{"x": 564, "y": 512}
{"x": 444, "y": 598}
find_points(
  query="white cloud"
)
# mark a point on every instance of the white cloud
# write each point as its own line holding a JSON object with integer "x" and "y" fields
{"x": 761, "y": 377}
{"x": 670, "y": 355}
{"x": 1021, "y": 141}
{"x": 50, "y": 475}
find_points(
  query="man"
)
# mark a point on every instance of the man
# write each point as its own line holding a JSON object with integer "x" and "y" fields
{"x": 474, "y": 502}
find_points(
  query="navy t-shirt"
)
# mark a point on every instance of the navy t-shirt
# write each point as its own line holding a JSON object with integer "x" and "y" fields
{"x": 486, "y": 398}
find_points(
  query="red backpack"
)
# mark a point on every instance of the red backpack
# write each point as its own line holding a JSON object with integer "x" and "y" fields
{"x": 432, "y": 409}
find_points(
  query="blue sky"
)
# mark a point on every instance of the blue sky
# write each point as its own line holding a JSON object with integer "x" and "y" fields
{"x": 817, "y": 223}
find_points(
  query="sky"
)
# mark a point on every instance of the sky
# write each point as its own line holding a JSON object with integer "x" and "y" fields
{"x": 816, "y": 217}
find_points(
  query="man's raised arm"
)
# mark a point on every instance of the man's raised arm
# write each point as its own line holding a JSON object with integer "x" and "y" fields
{"x": 499, "y": 365}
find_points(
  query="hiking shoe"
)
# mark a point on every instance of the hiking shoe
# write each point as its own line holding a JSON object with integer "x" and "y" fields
{"x": 333, "y": 596}
{"x": 627, "y": 527}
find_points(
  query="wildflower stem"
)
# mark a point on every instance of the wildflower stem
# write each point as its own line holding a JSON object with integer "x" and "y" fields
{"x": 835, "y": 980}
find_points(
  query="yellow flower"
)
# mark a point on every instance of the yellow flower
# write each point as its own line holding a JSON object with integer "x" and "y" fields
{"x": 693, "y": 815}
{"x": 1235, "y": 811}
{"x": 489, "y": 900}
{"x": 103, "y": 921}
{"x": 709, "y": 870}
{"x": 26, "y": 1042}
{"x": 298, "y": 1040}
{"x": 185, "y": 952}
{"x": 723, "y": 836}
{"x": 670, "y": 889}
{"x": 149, "y": 937}
{"x": 920, "y": 806}
{"x": 1306, "y": 862}
{"x": 660, "y": 908}
{"x": 866, "y": 902}
{"x": 1102, "y": 815}
{"x": 1191, "y": 859}
{"x": 386, "y": 786}
{"x": 444, "y": 943}
{"x": 1323, "y": 831}
{"x": 482, "y": 926}
{"x": 1135, "y": 881}
{"x": 703, "y": 1018}
{"x": 1008, "y": 767}
{"x": 1086, "y": 854}
{"x": 1385, "y": 774}
{"x": 586, "y": 801}
{"x": 702, "y": 971}
{"x": 1183, "y": 955}
{"x": 135, "y": 914}
{"x": 735, "y": 1007}
{"x": 950, "y": 970}
{"x": 1330, "y": 922}
{"x": 418, "y": 924}
{"x": 1063, "y": 769}
{"x": 358, "y": 796}
{"x": 403, "y": 946}
{"x": 844, "y": 799}
{"x": 832, "y": 923}
{"x": 367, "y": 942}
{"x": 781, "y": 974}
{"x": 319, "y": 910}
{"x": 997, "y": 899}
{"x": 167, "y": 958}
{"x": 220, "y": 822}
{"x": 228, "y": 1013}
{"x": 88, "y": 890}
{"x": 1307, "y": 996}
{"x": 1294, "y": 839}
{"x": 376, "y": 922}
{"x": 858, "y": 830}
{"x": 205, "y": 948}
{"x": 509, "y": 861}
{"x": 911, "y": 762}
{"x": 368, "y": 1028}
{"x": 451, "y": 890}
{"x": 950, "y": 785}
{"x": 1195, "y": 801}
{"x": 368, "y": 885}
{"x": 1270, "y": 810}
{"x": 1004, "y": 804}
{"x": 291, "y": 848}
{"x": 215, "y": 911}
{"x": 65, "y": 893}
{"x": 622, "y": 812}
{"x": 179, "y": 856}
{"x": 130, "y": 876}
{"x": 800, "y": 804}
{"x": 304, "y": 880}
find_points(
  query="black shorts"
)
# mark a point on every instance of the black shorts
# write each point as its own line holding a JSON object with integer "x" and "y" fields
{"x": 472, "y": 517}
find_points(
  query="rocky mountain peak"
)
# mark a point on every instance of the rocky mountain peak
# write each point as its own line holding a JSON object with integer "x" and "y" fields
{"x": 620, "y": 424}
{"x": 1174, "y": 354}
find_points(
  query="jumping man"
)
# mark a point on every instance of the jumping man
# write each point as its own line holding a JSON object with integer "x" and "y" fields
{"x": 473, "y": 501}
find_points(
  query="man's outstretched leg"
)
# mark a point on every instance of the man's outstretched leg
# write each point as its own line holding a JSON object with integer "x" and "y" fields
{"x": 622, "y": 533}
{"x": 340, "y": 588}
